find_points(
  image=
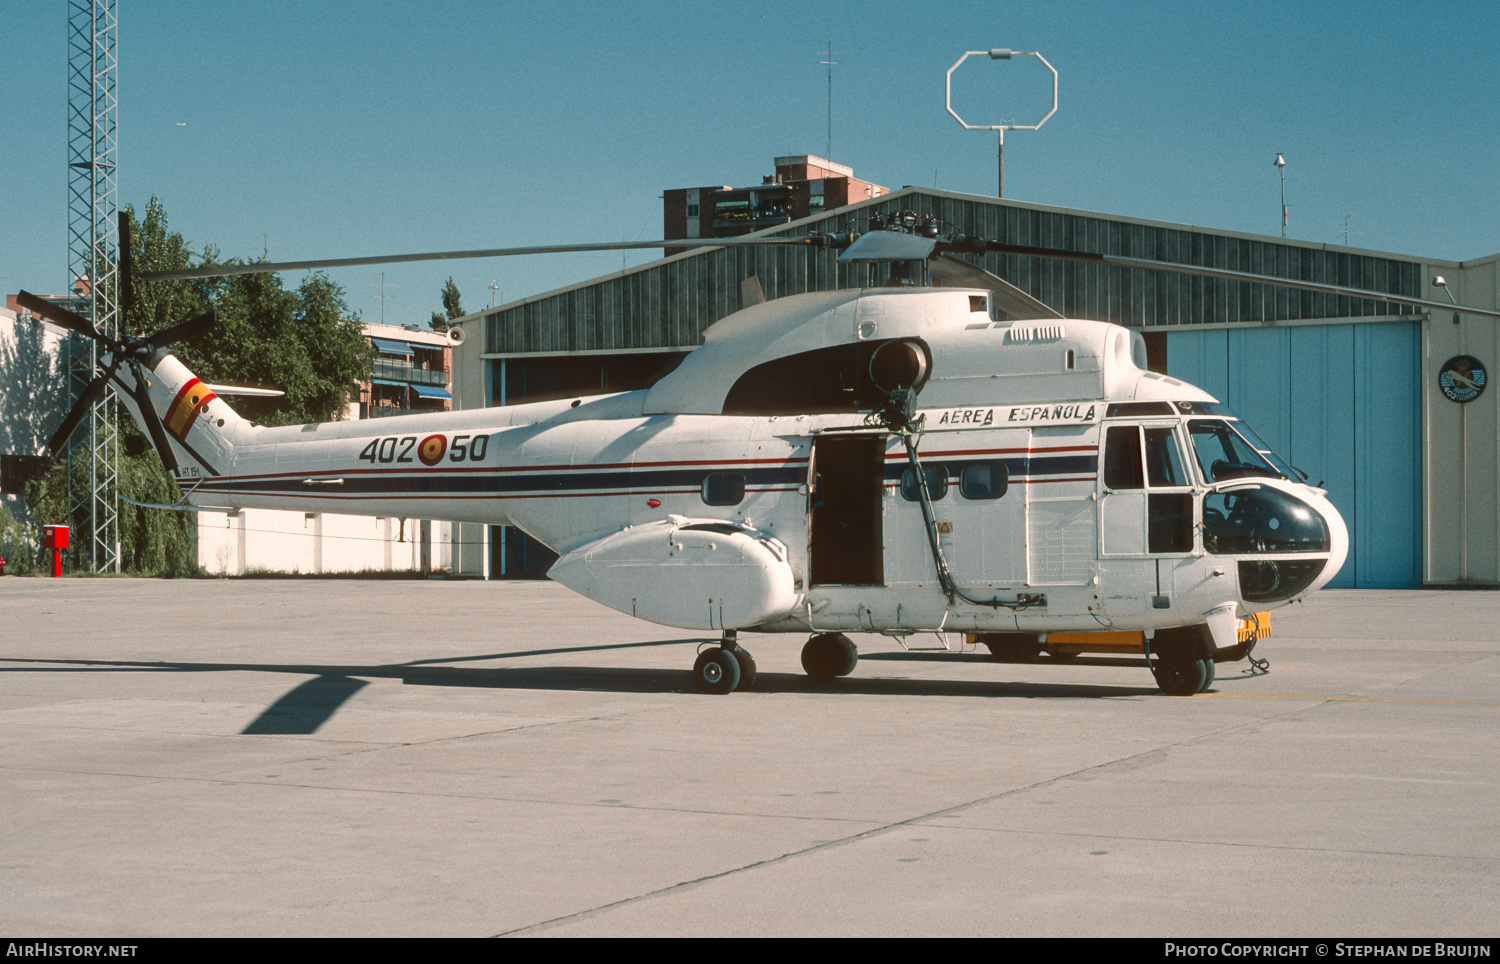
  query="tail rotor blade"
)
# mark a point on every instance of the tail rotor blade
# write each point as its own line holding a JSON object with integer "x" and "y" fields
{"x": 59, "y": 315}
{"x": 158, "y": 432}
{"x": 127, "y": 283}
{"x": 183, "y": 329}
{"x": 76, "y": 415}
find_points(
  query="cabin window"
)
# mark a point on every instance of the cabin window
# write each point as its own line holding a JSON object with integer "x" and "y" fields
{"x": 937, "y": 483}
{"x": 978, "y": 303}
{"x": 984, "y": 480}
{"x": 723, "y": 488}
{"x": 1122, "y": 458}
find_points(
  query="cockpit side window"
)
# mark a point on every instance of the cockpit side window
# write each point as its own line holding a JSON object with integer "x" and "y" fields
{"x": 1122, "y": 458}
{"x": 1223, "y": 454}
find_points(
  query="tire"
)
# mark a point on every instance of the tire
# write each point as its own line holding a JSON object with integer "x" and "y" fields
{"x": 828, "y": 655}
{"x": 747, "y": 668}
{"x": 1012, "y": 647}
{"x": 848, "y": 655}
{"x": 1184, "y": 677}
{"x": 717, "y": 671}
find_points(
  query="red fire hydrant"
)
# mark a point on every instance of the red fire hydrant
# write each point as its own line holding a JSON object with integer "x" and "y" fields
{"x": 56, "y": 539}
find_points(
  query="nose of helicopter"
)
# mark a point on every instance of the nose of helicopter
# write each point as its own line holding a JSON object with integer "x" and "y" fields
{"x": 1338, "y": 539}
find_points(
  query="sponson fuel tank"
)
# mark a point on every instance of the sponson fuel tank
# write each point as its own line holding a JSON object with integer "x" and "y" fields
{"x": 692, "y": 573}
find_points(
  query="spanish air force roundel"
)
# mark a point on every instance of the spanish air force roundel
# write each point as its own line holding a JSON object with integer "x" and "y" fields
{"x": 432, "y": 448}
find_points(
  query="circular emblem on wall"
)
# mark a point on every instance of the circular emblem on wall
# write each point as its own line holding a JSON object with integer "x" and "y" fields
{"x": 1462, "y": 378}
{"x": 432, "y": 448}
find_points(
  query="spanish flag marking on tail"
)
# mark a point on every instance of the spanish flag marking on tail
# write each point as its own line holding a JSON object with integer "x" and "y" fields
{"x": 190, "y": 402}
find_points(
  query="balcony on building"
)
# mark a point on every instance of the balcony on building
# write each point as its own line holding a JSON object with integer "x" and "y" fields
{"x": 747, "y": 209}
{"x": 410, "y": 374}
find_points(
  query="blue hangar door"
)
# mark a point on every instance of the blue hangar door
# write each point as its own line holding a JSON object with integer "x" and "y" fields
{"x": 1342, "y": 403}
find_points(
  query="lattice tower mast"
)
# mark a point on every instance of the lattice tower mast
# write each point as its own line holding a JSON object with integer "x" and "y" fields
{"x": 92, "y": 238}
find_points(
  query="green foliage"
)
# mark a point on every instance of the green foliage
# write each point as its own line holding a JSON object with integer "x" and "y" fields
{"x": 451, "y": 303}
{"x": 452, "y": 306}
{"x": 34, "y": 380}
{"x": 153, "y": 542}
{"x": 298, "y": 341}
{"x": 18, "y": 545}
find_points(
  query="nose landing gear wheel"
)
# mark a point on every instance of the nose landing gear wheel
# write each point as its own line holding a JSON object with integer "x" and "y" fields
{"x": 717, "y": 671}
{"x": 827, "y": 655}
{"x": 1185, "y": 677}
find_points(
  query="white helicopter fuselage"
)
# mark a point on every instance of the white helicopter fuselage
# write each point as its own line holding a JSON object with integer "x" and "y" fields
{"x": 1071, "y": 489}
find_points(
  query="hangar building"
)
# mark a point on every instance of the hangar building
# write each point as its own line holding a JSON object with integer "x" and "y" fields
{"x": 1346, "y": 389}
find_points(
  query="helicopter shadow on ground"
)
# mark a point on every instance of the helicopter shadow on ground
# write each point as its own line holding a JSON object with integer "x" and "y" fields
{"x": 305, "y": 708}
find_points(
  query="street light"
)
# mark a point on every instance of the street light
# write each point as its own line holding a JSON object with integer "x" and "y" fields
{"x": 1440, "y": 282}
{"x": 1000, "y": 129}
{"x": 1280, "y": 165}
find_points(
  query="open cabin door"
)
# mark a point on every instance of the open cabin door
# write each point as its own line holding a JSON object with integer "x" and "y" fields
{"x": 846, "y": 544}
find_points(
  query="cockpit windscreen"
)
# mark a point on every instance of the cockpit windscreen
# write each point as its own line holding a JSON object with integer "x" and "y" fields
{"x": 1265, "y": 450}
{"x": 1224, "y": 454}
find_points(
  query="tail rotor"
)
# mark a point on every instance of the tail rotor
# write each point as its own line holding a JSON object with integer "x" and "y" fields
{"x": 137, "y": 352}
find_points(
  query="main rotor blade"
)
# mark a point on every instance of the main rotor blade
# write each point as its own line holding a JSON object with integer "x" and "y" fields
{"x": 183, "y": 329}
{"x": 126, "y": 263}
{"x": 154, "y": 427}
{"x": 91, "y": 393}
{"x": 59, "y": 315}
{"x": 980, "y": 246}
{"x": 224, "y": 270}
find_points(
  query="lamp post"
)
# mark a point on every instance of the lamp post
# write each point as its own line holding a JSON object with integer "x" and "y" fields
{"x": 1280, "y": 165}
{"x": 1441, "y": 282}
{"x": 1000, "y": 129}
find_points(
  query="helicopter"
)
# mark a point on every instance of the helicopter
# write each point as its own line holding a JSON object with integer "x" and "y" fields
{"x": 937, "y": 453}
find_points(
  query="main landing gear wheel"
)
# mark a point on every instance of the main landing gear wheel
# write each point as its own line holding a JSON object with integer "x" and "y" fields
{"x": 717, "y": 671}
{"x": 827, "y": 655}
{"x": 1185, "y": 677}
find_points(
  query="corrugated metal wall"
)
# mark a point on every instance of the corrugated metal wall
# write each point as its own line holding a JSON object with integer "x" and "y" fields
{"x": 1343, "y": 403}
{"x": 668, "y": 304}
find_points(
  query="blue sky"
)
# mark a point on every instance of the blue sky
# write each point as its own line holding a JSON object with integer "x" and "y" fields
{"x": 324, "y": 129}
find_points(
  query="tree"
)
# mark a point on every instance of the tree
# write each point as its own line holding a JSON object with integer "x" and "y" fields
{"x": 34, "y": 381}
{"x": 452, "y": 306}
{"x": 301, "y": 342}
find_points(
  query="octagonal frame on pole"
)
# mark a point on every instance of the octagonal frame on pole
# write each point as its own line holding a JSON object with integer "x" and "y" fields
{"x": 999, "y": 53}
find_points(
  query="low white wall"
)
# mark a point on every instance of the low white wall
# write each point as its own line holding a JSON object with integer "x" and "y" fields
{"x": 315, "y": 542}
